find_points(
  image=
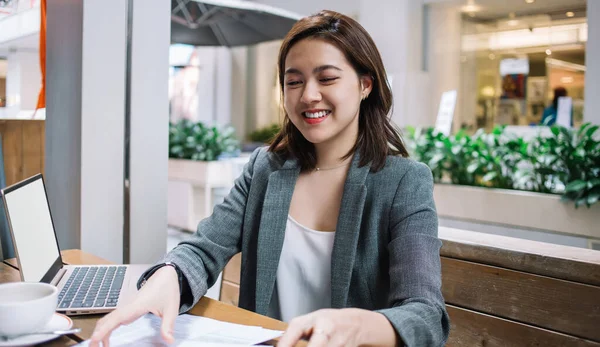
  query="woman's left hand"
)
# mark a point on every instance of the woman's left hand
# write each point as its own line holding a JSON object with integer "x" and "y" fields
{"x": 338, "y": 327}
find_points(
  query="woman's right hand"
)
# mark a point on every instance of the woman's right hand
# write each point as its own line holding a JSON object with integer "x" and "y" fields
{"x": 160, "y": 296}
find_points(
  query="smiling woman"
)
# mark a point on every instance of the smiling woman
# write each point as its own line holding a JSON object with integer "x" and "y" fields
{"x": 336, "y": 226}
{"x": 332, "y": 75}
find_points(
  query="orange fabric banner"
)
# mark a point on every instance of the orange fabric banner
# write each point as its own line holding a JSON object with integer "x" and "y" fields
{"x": 42, "y": 96}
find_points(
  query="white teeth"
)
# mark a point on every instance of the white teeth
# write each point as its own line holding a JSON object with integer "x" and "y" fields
{"x": 316, "y": 114}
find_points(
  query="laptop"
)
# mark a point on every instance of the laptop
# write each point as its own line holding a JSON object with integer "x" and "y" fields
{"x": 82, "y": 289}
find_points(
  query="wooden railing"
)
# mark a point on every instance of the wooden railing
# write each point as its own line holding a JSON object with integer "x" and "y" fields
{"x": 503, "y": 291}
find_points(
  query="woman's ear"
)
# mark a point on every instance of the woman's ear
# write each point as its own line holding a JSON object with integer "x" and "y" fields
{"x": 366, "y": 86}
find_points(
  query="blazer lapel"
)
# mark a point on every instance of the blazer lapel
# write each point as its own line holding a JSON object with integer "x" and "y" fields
{"x": 347, "y": 232}
{"x": 278, "y": 197}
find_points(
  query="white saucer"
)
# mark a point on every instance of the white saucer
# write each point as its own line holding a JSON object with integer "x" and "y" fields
{"x": 58, "y": 322}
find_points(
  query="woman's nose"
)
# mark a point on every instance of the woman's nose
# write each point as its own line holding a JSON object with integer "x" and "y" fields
{"x": 311, "y": 93}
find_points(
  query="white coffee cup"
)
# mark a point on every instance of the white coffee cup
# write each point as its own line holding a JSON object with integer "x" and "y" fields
{"x": 26, "y": 307}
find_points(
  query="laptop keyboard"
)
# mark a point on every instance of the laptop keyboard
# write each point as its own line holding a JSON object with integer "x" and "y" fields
{"x": 97, "y": 286}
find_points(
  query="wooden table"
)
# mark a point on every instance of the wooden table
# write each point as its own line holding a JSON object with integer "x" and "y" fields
{"x": 206, "y": 307}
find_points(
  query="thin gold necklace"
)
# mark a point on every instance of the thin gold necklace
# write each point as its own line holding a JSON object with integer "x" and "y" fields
{"x": 331, "y": 168}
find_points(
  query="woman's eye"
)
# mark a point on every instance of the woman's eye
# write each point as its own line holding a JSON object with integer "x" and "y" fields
{"x": 293, "y": 83}
{"x": 328, "y": 79}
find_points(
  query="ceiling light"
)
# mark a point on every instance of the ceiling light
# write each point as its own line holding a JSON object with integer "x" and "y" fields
{"x": 470, "y": 7}
{"x": 570, "y": 14}
{"x": 548, "y": 52}
{"x": 530, "y": 1}
{"x": 566, "y": 79}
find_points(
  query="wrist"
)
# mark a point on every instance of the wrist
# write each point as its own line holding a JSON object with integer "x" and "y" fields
{"x": 164, "y": 268}
{"x": 375, "y": 329}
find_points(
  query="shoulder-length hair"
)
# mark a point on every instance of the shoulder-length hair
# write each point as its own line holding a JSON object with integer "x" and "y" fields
{"x": 377, "y": 137}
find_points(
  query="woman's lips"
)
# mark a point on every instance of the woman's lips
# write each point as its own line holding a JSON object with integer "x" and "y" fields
{"x": 313, "y": 121}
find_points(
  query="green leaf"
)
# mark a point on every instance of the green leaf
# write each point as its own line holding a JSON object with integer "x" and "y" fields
{"x": 582, "y": 128}
{"x": 590, "y": 132}
{"x": 490, "y": 176}
{"x": 472, "y": 167}
{"x": 580, "y": 201}
{"x": 435, "y": 160}
{"x": 575, "y": 186}
{"x": 592, "y": 199}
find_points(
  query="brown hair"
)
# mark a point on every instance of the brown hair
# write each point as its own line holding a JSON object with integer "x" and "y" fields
{"x": 377, "y": 137}
{"x": 558, "y": 92}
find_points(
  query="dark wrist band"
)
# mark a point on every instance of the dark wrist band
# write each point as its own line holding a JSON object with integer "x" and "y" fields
{"x": 151, "y": 272}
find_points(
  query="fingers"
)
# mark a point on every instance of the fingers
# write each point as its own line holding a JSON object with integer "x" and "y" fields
{"x": 297, "y": 328}
{"x": 110, "y": 322}
{"x": 318, "y": 338}
{"x": 168, "y": 320}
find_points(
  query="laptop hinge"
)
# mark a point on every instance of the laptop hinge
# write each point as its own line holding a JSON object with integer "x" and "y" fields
{"x": 59, "y": 275}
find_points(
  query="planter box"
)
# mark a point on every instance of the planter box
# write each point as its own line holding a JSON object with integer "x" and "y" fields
{"x": 520, "y": 209}
{"x": 190, "y": 190}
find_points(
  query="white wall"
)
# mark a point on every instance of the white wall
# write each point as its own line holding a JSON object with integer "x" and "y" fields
{"x": 13, "y": 86}
{"x": 23, "y": 81}
{"x": 22, "y": 24}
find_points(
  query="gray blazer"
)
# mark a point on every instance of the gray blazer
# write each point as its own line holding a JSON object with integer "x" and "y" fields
{"x": 385, "y": 254}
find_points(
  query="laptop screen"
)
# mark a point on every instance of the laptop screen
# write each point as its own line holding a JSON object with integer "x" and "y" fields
{"x": 32, "y": 228}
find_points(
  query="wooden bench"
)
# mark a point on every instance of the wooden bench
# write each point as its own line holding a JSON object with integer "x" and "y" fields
{"x": 503, "y": 291}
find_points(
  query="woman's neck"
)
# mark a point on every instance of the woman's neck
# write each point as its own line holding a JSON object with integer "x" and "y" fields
{"x": 330, "y": 153}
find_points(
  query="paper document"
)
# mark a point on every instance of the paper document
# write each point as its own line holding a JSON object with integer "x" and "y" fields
{"x": 189, "y": 330}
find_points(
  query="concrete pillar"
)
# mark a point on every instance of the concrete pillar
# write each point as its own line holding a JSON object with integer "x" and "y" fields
{"x": 239, "y": 71}
{"x": 402, "y": 54}
{"x": 591, "y": 110}
{"x": 149, "y": 141}
{"x": 206, "y": 92}
{"x": 107, "y": 190}
{"x": 445, "y": 65}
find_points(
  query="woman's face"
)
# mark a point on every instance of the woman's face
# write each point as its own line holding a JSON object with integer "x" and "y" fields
{"x": 322, "y": 92}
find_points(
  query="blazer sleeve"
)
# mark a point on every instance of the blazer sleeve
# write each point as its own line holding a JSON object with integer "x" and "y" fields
{"x": 202, "y": 257}
{"x": 417, "y": 310}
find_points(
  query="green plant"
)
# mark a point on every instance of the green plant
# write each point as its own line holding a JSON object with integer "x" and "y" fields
{"x": 196, "y": 141}
{"x": 496, "y": 157}
{"x": 580, "y": 154}
{"x": 422, "y": 146}
{"x": 567, "y": 162}
{"x": 266, "y": 134}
